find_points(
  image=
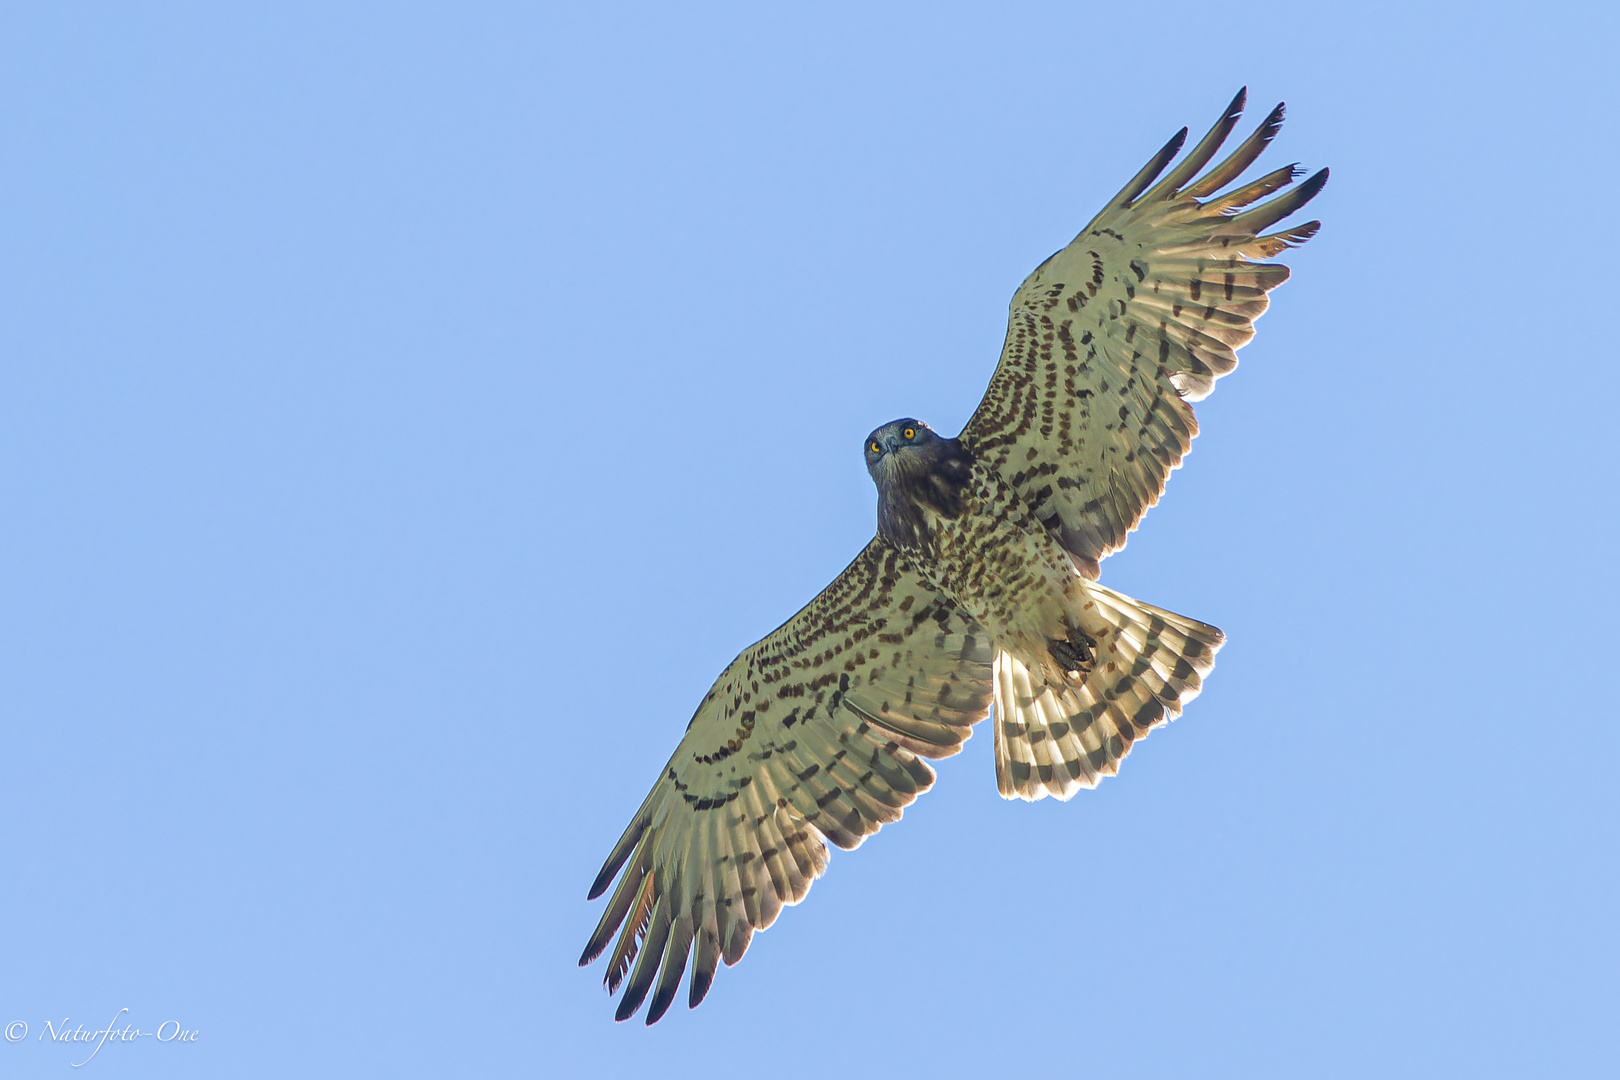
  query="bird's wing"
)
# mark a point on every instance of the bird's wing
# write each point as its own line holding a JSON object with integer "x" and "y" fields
{"x": 1111, "y": 338}
{"x": 816, "y": 731}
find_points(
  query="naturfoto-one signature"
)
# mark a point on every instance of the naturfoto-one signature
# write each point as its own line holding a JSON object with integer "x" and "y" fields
{"x": 168, "y": 1031}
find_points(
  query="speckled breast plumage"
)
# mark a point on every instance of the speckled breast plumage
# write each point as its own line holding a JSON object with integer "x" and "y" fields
{"x": 997, "y": 562}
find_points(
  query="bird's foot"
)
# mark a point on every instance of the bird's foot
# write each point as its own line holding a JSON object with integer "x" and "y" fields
{"x": 1074, "y": 655}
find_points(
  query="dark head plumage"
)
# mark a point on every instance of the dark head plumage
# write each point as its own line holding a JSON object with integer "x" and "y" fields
{"x": 915, "y": 469}
{"x": 896, "y": 445}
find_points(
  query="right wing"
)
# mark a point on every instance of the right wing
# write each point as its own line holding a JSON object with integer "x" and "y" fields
{"x": 814, "y": 732}
{"x": 1111, "y": 339}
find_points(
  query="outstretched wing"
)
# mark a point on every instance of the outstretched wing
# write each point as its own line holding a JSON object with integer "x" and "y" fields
{"x": 1110, "y": 338}
{"x": 814, "y": 732}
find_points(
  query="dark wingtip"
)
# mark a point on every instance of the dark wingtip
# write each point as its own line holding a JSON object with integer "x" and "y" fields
{"x": 1299, "y": 235}
{"x": 1169, "y": 150}
{"x": 1241, "y": 158}
{"x": 621, "y": 851}
{"x": 701, "y": 981}
{"x": 1308, "y": 190}
{"x": 1150, "y": 172}
{"x": 660, "y": 1005}
{"x": 1272, "y": 123}
{"x": 1240, "y": 100}
{"x": 1268, "y": 214}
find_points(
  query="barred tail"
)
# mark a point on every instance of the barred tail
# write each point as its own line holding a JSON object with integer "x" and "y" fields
{"x": 1057, "y": 739}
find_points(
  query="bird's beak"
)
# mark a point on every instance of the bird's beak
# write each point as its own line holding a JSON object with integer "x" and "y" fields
{"x": 891, "y": 442}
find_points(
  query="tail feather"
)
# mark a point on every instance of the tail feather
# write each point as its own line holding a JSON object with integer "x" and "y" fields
{"x": 1057, "y": 739}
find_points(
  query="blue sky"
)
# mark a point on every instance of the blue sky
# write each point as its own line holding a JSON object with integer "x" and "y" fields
{"x": 406, "y": 412}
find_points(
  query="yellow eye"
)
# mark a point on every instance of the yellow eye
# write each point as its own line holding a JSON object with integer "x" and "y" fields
{"x": 876, "y": 449}
{"x": 910, "y": 433}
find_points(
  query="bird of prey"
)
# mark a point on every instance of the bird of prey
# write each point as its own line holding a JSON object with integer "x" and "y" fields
{"x": 979, "y": 590}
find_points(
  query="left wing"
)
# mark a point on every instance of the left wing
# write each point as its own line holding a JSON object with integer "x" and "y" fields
{"x": 814, "y": 732}
{"x": 1110, "y": 338}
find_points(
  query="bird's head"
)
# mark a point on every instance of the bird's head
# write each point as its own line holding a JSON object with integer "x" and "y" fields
{"x": 899, "y": 444}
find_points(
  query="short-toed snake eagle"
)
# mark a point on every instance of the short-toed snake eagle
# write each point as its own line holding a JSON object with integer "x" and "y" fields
{"x": 980, "y": 589}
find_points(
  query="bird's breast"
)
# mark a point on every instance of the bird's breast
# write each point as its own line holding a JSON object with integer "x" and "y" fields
{"x": 994, "y": 558}
{"x": 918, "y": 486}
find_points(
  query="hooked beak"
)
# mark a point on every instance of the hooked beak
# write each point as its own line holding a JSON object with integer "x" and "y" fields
{"x": 891, "y": 442}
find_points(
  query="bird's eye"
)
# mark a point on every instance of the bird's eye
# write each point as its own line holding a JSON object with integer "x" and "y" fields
{"x": 910, "y": 433}
{"x": 875, "y": 448}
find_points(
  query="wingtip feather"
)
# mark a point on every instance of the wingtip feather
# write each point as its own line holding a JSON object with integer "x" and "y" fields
{"x": 1150, "y": 172}
{"x": 1313, "y": 185}
{"x": 1241, "y": 158}
{"x": 621, "y": 851}
{"x": 1298, "y": 234}
{"x": 699, "y": 988}
{"x": 1200, "y": 154}
{"x": 1269, "y": 213}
